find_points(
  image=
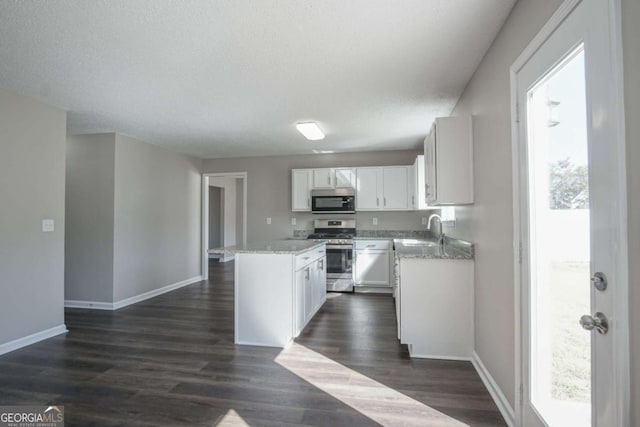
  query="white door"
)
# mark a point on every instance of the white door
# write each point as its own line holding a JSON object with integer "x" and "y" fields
{"x": 570, "y": 228}
{"x": 345, "y": 178}
{"x": 368, "y": 188}
{"x": 301, "y": 190}
{"x": 323, "y": 178}
{"x": 395, "y": 188}
{"x": 372, "y": 268}
{"x": 430, "y": 172}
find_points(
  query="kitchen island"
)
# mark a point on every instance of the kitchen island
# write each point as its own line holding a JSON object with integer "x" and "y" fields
{"x": 279, "y": 286}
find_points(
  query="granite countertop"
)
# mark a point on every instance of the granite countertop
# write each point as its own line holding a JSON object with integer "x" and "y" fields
{"x": 430, "y": 249}
{"x": 271, "y": 247}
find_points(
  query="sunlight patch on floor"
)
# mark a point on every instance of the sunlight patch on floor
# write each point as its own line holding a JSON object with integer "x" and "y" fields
{"x": 231, "y": 419}
{"x": 372, "y": 399}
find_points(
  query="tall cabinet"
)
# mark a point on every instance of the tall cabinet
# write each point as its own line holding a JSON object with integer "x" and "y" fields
{"x": 448, "y": 162}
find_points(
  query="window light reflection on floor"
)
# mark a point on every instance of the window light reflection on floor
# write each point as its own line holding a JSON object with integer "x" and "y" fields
{"x": 372, "y": 399}
{"x": 231, "y": 418}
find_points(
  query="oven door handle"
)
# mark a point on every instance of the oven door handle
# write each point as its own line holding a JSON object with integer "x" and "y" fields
{"x": 343, "y": 247}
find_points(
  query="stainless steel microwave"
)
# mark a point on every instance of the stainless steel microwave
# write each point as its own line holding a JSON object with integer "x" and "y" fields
{"x": 339, "y": 200}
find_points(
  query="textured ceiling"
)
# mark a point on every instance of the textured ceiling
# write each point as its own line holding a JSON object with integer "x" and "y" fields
{"x": 230, "y": 78}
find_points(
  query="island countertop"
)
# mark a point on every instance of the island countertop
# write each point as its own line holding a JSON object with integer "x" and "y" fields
{"x": 269, "y": 247}
{"x": 430, "y": 249}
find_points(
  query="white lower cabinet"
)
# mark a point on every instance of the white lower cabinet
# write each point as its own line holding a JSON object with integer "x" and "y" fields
{"x": 276, "y": 294}
{"x": 372, "y": 263}
{"x": 434, "y": 307}
{"x": 310, "y": 290}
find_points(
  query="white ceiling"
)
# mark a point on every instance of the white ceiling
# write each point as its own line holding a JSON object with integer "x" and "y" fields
{"x": 230, "y": 78}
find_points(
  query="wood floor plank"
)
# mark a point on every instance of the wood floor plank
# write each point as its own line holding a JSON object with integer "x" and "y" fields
{"x": 171, "y": 361}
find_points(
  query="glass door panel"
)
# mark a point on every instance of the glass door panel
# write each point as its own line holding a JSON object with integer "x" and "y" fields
{"x": 560, "y": 292}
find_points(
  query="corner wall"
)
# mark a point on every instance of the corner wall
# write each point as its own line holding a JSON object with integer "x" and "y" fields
{"x": 32, "y": 188}
{"x": 489, "y": 223}
{"x": 157, "y": 218}
{"x": 89, "y": 218}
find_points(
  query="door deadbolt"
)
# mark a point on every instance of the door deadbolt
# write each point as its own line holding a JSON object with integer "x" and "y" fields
{"x": 599, "y": 281}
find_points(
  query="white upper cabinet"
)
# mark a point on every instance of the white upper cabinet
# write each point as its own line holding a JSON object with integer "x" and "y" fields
{"x": 448, "y": 159}
{"x": 345, "y": 178}
{"x": 382, "y": 188}
{"x": 301, "y": 189}
{"x": 324, "y": 178}
{"x": 419, "y": 201}
{"x": 395, "y": 188}
{"x": 368, "y": 189}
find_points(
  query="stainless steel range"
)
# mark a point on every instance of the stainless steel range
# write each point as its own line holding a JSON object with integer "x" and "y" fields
{"x": 338, "y": 233}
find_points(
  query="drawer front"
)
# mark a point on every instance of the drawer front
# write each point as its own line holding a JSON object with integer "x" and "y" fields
{"x": 384, "y": 245}
{"x": 308, "y": 257}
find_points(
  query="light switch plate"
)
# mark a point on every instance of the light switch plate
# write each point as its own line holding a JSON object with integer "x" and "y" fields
{"x": 48, "y": 225}
{"x": 293, "y": 221}
{"x": 269, "y": 221}
{"x": 375, "y": 221}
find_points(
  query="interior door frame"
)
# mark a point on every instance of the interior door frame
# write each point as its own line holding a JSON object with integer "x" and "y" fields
{"x": 621, "y": 289}
{"x": 205, "y": 214}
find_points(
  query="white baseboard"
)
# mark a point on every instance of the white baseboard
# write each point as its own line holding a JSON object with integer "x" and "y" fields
{"x": 498, "y": 397}
{"x": 437, "y": 356}
{"x": 32, "y": 339}
{"x": 132, "y": 300}
{"x": 95, "y": 305}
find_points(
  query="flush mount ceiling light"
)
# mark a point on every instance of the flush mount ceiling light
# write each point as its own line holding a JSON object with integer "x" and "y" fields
{"x": 310, "y": 130}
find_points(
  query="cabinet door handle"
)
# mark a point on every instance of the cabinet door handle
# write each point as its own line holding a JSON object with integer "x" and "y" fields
{"x": 329, "y": 179}
{"x": 321, "y": 266}
{"x": 377, "y": 201}
{"x": 307, "y": 273}
{"x": 413, "y": 200}
{"x": 371, "y": 246}
{"x": 385, "y": 201}
{"x": 309, "y": 202}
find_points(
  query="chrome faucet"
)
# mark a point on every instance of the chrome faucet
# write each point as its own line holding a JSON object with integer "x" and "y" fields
{"x": 439, "y": 218}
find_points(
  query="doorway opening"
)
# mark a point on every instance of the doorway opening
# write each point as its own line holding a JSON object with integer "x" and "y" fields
{"x": 224, "y": 214}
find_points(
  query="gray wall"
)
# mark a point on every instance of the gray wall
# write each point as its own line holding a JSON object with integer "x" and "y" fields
{"x": 215, "y": 217}
{"x": 229, "y": 208}
{"x": 631, "y": 38}
{"x": 32, "y": 165}
{"x": 269, "y": 191}
{"x": 489, "y": 223}
{"x": 239, "y": 210}
{"x": 89, "y": 218}
{"x": 157, "y": 217}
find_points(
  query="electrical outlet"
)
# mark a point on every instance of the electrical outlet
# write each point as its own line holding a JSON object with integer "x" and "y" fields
{"x": 424, "y": 220}
{"x": 293, "y": 221}
{"x": 268, "y": 221}
{"x": 47, "y": 225}
{"x": 375, "y": 221}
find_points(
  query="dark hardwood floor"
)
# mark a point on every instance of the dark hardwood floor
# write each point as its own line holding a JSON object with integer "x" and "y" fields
{"x": 171, "y": 361}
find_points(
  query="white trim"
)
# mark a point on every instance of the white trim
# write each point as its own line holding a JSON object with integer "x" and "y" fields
{"x": 205, "y": 214}
{"x": 94, "y": 305}
{"x": 226, "y": 258}
{"x": 496, "y": 394}
{"x": 439, "y": 357}
{"x": 621, "y": 348}
{"x": 32, "y": 339}
{"x": 554, "y": 22}
{"x": 132, "y": 300}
